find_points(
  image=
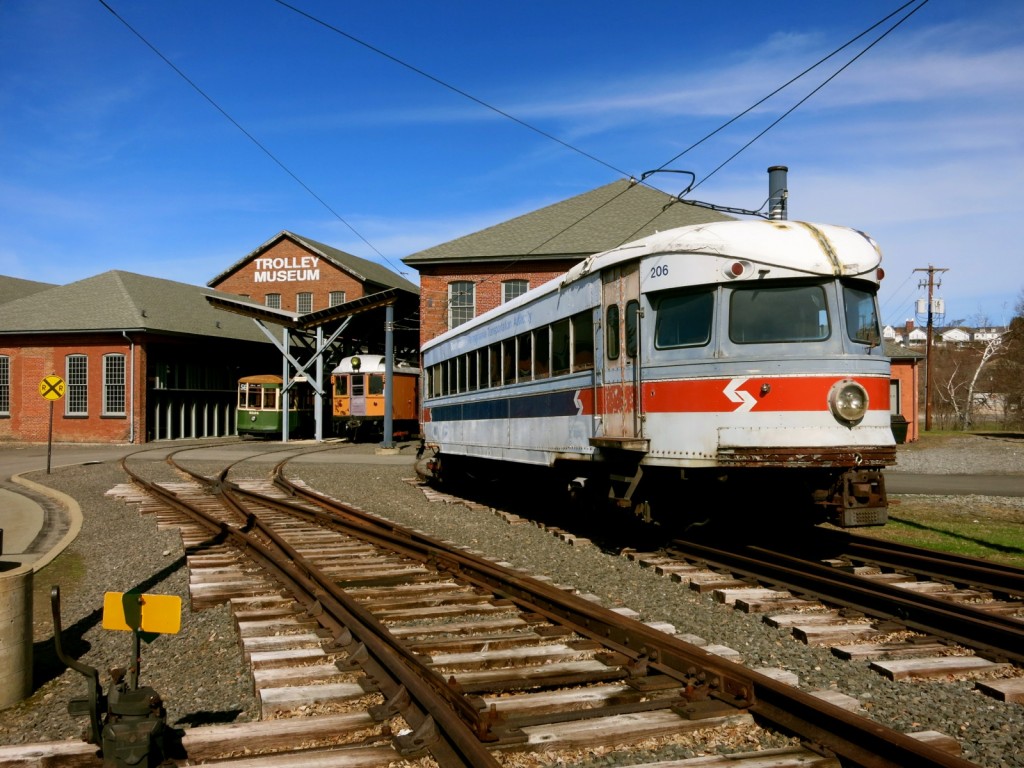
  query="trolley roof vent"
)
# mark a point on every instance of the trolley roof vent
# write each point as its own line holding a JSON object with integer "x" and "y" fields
{"x": 778, "y": 192}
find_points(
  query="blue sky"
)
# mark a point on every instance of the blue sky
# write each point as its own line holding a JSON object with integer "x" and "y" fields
{"x": 109, "y": 159}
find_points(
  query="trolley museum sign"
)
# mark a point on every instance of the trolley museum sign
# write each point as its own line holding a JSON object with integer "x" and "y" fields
{"x": 287, "y": 270}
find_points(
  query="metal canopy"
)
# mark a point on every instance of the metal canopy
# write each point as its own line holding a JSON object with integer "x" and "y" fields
{"x": 364, "y": 330}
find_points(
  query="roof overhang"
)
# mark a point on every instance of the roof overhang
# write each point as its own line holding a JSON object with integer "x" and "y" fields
{"x": 365, "y": 325}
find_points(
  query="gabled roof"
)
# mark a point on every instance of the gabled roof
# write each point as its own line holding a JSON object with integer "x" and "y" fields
{"x": 118, "y": 301}
{"x": 898, "y": 352}
{"x": 12, "y": 288}
{"x": 593, "y": 222}
{"x": 362, "y": 270}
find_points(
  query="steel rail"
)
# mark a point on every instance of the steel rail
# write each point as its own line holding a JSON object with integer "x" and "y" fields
{"x": 993, "y": 634}
{"x": 419, "y": 702}
{"x": 707, "y": 677}
{"x": 996, "y": 577}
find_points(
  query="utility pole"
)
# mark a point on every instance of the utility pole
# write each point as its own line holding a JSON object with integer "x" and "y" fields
{"x": 928, "y": 344}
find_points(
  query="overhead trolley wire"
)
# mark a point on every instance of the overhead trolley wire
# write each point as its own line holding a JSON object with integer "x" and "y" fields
{"x": 246, "y": 133}
{"x": 825, "y": 82}
{"x": 695, "y": 184}
{"x": 449, "y": 86}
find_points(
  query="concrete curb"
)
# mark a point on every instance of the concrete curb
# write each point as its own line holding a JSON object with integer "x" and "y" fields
{"x": 74, "y": 514}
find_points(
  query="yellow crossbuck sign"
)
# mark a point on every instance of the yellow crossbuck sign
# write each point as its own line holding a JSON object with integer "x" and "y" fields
{"x": 52, "y": 387}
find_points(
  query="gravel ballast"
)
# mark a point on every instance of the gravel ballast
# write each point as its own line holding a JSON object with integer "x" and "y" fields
{"x": 201, "y": 676}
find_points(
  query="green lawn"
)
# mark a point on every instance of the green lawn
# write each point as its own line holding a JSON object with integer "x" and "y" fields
{"x": 965, "y": 525}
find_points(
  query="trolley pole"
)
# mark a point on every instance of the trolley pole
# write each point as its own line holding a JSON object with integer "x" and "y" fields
{"x": 928, "y": 346}
{"x": 389, "y": 375}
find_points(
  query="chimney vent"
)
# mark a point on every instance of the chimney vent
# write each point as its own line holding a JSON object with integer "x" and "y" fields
{"x": 778, "y": 193}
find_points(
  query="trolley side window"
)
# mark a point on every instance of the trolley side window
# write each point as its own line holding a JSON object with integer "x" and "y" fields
{"x": 471, "y": 365}
{"x": 434, "y": 381}
{"x": 582, "y": 341}
{"x": 683, "y": 320}
{"x": 508, "y": 358}
{"x": 560, "y": 347}
{"x": 376, "y": 384}
{"x": 632, "y": 327}
{"x": 611, "y": 326}
{"x": 270, "y": 398}
{"x": 861, "y": 317}
{"x": 541, "y": 353}
{"x": 785, "y": 313}
{"x": 341, "y": 386}
{"x": 524, "y": 361}
{"x": 494, "y": 361}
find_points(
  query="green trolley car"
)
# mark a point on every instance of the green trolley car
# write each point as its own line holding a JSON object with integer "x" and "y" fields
{"x": 259, "y": 407}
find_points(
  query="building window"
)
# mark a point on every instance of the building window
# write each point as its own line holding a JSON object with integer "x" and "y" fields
{"x": 303, "y": 303}
{"x": 461, "y": 302}
{"x": 274, "y": 300}
{"x": 512, "y": 288}
{"x": 76, "y": 394}
{"x": 113, "y": 385}
{"x": 336, "y": 297}
{"x": 5, "y": 385}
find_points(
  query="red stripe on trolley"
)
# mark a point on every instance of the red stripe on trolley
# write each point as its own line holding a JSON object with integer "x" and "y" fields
{"x": 761, "y": 394}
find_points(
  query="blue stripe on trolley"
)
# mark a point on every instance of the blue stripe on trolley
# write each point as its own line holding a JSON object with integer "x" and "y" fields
{"x": 525, "y": 407}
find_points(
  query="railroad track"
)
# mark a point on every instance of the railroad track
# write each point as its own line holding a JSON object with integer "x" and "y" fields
{"x": 406, "y": 647}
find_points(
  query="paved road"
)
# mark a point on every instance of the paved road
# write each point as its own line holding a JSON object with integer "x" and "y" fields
{"x": 955, "y": 485}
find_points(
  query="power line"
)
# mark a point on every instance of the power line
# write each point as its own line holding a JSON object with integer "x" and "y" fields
{"x": 785, "y": 85}
{"x": 827, "y": 80}
{"x": 246, "y": 133}
{"x": 449, "y": 86}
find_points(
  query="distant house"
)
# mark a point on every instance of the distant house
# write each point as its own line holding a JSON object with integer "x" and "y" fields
{"x": 954, "y": 335}
{"x": 891, "y": 334}
{"x": 985, "y": 335}
{"x": 465, "y": 277}
{"x": 917, "y": 336}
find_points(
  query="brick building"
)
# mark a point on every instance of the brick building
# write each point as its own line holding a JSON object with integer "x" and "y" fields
{"x": 296, "y": 274}
{"x": 141, "y": 359}
{"x": 465, "y": 277}
{"x": 149, "y": 359}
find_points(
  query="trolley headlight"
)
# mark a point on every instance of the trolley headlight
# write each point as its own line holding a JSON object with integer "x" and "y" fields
{"x": 848, "y": 401}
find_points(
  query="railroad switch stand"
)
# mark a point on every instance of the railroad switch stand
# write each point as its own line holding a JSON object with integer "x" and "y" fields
{"x": 129, "y": 724}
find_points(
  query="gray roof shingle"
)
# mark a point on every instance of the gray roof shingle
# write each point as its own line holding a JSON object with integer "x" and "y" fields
{"x": 595, "y": 221}
{"x": 12, "y": 288}
{"x": 125, "y": 301}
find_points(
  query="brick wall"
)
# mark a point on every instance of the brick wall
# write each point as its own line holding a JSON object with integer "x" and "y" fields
{"x": 30, "y": 412}
{"x": 435, "y": 279}
{"x": 906, "y": 371}
{"x": 293, "y": 271}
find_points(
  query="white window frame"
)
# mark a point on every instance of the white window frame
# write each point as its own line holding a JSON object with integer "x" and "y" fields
{"x": 273, "y": 300}
{"x": 115, "y": 384}
{"x": 76, "y": 393}
{"x": 304, "y": 302}
{"x": 512, "y": 288}
{"x": 460, "y": 308}
{"x": 5, "y": 385}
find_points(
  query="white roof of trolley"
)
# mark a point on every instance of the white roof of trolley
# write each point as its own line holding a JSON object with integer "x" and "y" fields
{"x": 814, "y": 249}
{"x": 795, "y": 247}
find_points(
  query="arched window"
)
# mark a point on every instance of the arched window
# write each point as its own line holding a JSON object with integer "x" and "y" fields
{"x": 114, "y": 385}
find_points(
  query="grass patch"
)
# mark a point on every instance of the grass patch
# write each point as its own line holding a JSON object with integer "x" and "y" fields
{"x": 965, "y": 526}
